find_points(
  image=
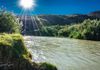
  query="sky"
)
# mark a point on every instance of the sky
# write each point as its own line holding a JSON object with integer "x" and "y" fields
{"x": 59, "y": 7}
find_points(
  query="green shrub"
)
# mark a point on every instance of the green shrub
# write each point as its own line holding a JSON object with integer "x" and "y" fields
{"x": 9, "y": 23}
{"x": 63, "y": 32}
{"x": 13, "y": 42}
{"x": 89, "y": 30}
{"x": 50, "y": 30}
{"x": 47, "y": 66}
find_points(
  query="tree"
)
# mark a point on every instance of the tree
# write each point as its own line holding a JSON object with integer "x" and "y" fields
{"x": 9, "y": 23}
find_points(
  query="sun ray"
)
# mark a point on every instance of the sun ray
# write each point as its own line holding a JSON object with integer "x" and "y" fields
{"x": 27, "y": 4}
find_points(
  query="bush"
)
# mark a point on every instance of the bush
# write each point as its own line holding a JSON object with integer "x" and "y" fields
{"x": 46, "y": 66}
{"x": 50, "y": 30}
{"x": 89, "y": 30}
{"x": 13, "y": 42}
{"x": 9, "y": 23}
{"x": 63, "y": 32}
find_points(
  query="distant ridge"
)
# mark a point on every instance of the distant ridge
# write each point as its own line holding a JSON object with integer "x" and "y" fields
{"x": 95, "y": 14}
{"x": 67, "y": 19}
{"x": 32, "y": 23}
{"x": 62, "y": 19}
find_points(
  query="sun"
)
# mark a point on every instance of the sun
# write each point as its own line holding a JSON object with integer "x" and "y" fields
{"x": 27, "y": 4}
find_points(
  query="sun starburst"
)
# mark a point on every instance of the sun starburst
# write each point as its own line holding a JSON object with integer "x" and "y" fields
{"x": 27, "y": 4}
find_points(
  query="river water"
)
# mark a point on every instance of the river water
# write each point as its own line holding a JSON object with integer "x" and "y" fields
{"x": 65, "y": 53}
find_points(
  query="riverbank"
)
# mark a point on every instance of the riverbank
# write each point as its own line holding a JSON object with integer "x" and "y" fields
{"x": 15, "y": 56}
{"x": 87, "y": 30}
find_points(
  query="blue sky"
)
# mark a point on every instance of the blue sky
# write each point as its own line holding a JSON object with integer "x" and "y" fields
{"x": 55, "y": 6}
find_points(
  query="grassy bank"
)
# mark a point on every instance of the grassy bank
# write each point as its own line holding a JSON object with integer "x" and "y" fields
{"x": 14, "y": 55}
{"x": 88, "y": 30}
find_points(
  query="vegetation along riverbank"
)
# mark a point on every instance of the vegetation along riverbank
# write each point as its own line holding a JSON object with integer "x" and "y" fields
{"x": 13, "y": 53}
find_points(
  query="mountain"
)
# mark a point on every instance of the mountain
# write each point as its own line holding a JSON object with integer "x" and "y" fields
{"x": 31, "y": 24}
{"x": 95, "y": 14}
{"x": 65, "y": 19}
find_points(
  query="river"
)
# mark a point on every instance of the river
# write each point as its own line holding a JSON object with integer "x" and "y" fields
{"x": 65, "y": 53}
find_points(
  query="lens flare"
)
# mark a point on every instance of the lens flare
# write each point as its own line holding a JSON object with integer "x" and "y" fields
{"x": 27, "y": 4}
